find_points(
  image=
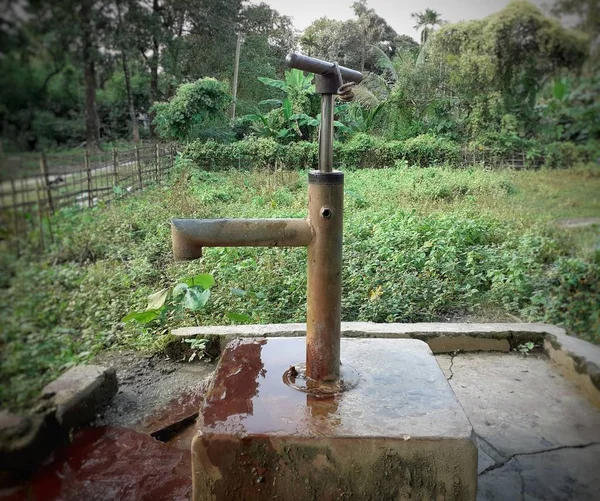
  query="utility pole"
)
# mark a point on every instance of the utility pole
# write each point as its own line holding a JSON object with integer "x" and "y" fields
{"x": 235, "y": 73}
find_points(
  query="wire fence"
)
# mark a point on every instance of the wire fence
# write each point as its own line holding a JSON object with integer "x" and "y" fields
{"x": 77, "y": 181}
{"x": 495, "y": 160}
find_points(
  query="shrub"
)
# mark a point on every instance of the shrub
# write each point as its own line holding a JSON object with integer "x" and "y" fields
{"x": 362, "y": 151}
{"x": 567, "y": 154}
{"x": 197, "y": 110}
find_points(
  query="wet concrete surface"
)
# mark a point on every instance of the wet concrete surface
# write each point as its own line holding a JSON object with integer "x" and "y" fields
{"x": 149, "y": 385}
{"x": 399, "y": 433}
{"x": 538, "y": 437}
{"x": 403, "y": 393}
{"x": 108, "y": 463}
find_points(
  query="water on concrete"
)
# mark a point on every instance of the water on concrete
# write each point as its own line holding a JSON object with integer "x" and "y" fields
{"x": 538, "y": 437}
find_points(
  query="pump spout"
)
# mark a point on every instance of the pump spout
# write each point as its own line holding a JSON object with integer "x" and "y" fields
{"x": 190, "y": 235}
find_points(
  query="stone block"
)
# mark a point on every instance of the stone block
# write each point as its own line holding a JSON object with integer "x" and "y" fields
{"x": 79, "y": 394}
{"x": 399, "y": 434}
{"x": 24, "y": 442}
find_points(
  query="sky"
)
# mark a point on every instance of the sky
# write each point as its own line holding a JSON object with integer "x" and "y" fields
{"x": 395, "y": 12}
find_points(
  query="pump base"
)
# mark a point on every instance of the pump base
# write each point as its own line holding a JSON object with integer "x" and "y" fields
{"x": 399, "y": 434}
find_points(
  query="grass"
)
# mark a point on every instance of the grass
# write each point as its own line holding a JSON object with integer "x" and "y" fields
{"x": 420, "y": 245}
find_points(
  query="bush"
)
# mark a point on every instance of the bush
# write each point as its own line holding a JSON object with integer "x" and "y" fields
{"x": 567, "y": 154}
{"x": 196, "y": 111}
{"x": 568, "y": 295}
{"x": 362, "y": 151}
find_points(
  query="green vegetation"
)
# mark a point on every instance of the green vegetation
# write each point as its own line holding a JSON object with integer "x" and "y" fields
{"x": 192, "y": 111}
{"x": 420, "y": 245}
{"x": 106, "y": 70}
{"x": 446, "y": 241}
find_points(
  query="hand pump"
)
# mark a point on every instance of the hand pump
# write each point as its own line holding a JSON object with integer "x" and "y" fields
{"x": 322, "y": 232}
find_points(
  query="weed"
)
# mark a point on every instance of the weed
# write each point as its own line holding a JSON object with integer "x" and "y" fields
{"x": 419, "y": 245}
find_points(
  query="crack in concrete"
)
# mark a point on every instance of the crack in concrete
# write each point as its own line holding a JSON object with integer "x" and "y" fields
{"x": 544, "y": 451}
{"x": 519, "y": 472}
{"x": 489, "y": 449}
{"x": 451, "y": 365}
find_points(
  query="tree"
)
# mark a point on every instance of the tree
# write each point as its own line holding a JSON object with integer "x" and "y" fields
{"x": 267, "y": 37}
{"x": 193, "y": 107}
{"x": 351, "y": 42}
{"x": 586, "y": 12}
{"x": 426, "y": 22}
{"x": 374, "y": 31}
{"x": 122, "y": 42}
{"x": 54, "y": 36}
{"x": 89, "y": 55}
{"x": 513, "y": 52}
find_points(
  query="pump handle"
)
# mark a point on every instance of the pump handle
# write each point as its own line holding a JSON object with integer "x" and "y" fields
{"x": 320, "y": 67}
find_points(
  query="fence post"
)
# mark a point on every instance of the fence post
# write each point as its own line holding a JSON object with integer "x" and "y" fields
{"x": 15, "y": 220}
{"x": 171, "y": 156}
{"x": 45, "y": 177}
{"x": 157, "y": 161}
{"x": 40, "y": 216}
{"x": 115, "y": 168}
{"x": 139, "y": 166}
{"x": 88, "y": 171}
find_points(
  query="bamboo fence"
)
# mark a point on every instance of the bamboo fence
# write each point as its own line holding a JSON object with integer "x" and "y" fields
{"x": 84, "y": 181}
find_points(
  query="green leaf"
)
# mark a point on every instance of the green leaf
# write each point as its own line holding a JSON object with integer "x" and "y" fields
{"x": 286, "y": 105}
{"x": 195, "y": 299}
{"x": 157, "y": 300}
{"x": 204, "y": 280}
{"x": 271, "y": 102}
{"x": 180, "y": 290}
{"x": 559, "y": 90}
{"x": 273, "y": 83}
{"x": 142, "y": 317}
{"x": 238, "y": 317}
{"x": 238, "y": 292}
{"x": 340, "y": 125}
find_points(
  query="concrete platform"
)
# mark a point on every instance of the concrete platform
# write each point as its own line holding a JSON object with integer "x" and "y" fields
{"x": 401, "y": 433}
{"x": 537, "y": 434}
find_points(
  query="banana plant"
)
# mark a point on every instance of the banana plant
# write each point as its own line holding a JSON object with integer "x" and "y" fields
{"x": 296, "y": 84}
{"x": 290, "y": 119}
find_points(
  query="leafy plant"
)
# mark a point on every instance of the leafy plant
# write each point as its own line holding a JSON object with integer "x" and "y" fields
{"x": 195, "y": 107}
{"x": 526, "y": 348}
{"x": 191, "y": 295}
{"x": 198, "y": 347}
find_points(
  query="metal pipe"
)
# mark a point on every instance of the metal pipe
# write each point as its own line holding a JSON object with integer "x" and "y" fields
{"x": 320, "y": 67}
{"x": 326, "y": 133}
{"x": 190, "y": 235}
{"x": 324, "y": 291}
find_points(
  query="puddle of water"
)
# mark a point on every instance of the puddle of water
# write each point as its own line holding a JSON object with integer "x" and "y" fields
{"x": 108, "y": 464}
{"x": 250, "y": 396}
{"x": 398, "y": 384}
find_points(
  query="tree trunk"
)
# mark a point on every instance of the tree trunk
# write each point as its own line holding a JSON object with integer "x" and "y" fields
{"x": 154, "y": 66}
{"x": 89, "y": 76}
{"x": 134, "y": 123}
{"x": 122, "y": 43}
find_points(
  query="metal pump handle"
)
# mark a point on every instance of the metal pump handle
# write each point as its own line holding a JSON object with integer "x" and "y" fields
{"x": 320, "y": 67}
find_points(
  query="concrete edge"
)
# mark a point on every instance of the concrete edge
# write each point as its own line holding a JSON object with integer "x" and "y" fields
{"x": 577, "y": 360}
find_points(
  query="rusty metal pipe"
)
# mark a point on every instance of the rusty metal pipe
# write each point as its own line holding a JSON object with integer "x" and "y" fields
{"x": 320, "y": 67}
{"x": 324, "y": 292}
{"x": 190, "y": 235}
{"x": 326, "y": 133}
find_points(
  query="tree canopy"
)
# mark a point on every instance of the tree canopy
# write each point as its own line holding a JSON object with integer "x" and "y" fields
{"x": 84, "y": 72}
